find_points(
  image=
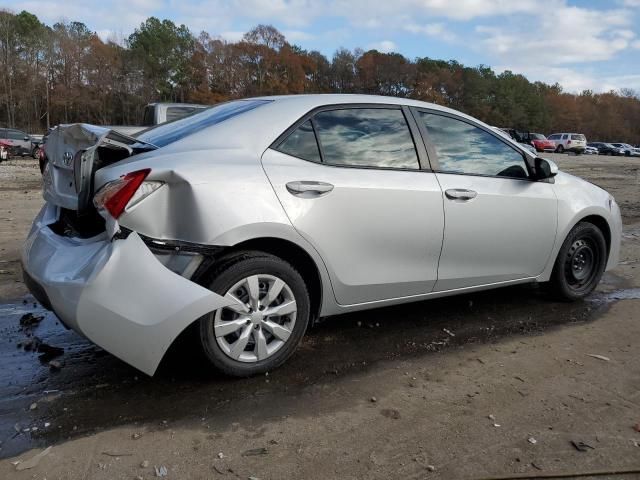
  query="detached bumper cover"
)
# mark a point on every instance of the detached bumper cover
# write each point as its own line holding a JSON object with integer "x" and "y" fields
{"x": 115, "y": 293}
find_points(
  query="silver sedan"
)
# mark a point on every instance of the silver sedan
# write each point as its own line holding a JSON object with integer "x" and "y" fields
{"x": 253, "y": 218}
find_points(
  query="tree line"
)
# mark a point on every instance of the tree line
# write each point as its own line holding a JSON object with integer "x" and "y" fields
{"x": 66, "y": 73}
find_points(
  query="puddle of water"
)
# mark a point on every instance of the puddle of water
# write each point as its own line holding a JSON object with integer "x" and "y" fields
{"x": 626, "y": 294}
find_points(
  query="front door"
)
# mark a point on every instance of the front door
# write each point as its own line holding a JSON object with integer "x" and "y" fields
{"x": 500, "y": 224}
{"x": 350, "y": 182}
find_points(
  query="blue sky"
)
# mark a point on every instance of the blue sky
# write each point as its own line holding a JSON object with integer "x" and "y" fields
{"x": 580, "y": 44}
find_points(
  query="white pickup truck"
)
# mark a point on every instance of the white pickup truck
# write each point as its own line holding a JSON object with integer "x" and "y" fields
{"x": 157, "y": 113}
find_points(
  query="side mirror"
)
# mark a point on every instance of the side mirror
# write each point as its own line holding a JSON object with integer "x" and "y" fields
{"x": 26, "y": 139}
{"x": 545, "y": 168}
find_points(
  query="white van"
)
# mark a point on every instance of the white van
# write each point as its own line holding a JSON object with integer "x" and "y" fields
{"x": 569, "y": 142}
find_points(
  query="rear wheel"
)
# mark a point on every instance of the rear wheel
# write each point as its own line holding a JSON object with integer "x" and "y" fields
{"x": 580, "y": 263}
{"x": 265, "y": 323}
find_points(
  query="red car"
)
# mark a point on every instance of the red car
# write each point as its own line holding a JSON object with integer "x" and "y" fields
{"x": 5, "y": 148}
{"x": 541, "y": 143}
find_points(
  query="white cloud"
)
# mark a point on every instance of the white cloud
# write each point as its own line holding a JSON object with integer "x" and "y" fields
{"x": 436, "y": 30}
{"x": 232, "y": 36}
{"x": 570, "y": 36}
{"x": 297, "y": 35}
{"x": 385, "y": 46}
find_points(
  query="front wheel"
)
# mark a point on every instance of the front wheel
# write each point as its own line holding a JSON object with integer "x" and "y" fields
{"x": 580, "y": 263}
{"x": 560, "y": 149}
{"x": 266, "y": 321}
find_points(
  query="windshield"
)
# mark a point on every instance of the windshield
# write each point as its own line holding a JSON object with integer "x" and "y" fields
{"x": 538, "y": 136}
{"x": 170, "y": 132}
{"x": 577, "y": 137}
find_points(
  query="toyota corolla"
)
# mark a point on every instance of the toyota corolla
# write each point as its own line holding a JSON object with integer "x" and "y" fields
{"x": 250, "y": 220}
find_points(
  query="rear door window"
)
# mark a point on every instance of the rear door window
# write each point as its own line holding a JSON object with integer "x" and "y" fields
{"x": 302, "y": 143}
{"x": 366, "y": 137}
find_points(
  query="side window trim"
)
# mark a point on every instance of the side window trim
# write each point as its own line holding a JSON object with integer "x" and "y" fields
{"x": 433, "y": 155}
{"x": 423, "y": 161}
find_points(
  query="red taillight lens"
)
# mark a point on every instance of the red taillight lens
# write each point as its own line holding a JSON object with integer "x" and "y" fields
{"x": 568, "y": 142}
{"x": 115, "y": 196}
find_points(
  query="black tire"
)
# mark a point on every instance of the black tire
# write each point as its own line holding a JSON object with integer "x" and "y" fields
{"x": 233, "y": 269}
{"x": 580, "y": 263}
{"x": 559, "y": 149}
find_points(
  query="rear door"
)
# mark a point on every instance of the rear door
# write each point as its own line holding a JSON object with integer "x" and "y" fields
{"x": 500, "y": 225}
{"x": 350, "y": 180}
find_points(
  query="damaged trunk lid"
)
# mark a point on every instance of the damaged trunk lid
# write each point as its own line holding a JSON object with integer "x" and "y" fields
{"x": 74, "y": 153}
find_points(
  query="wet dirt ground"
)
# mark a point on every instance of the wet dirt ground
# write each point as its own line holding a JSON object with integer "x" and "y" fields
{"x": 452, "y": 354}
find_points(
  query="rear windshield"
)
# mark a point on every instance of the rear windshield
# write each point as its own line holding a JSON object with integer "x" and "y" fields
{"x": 577, "y": 137}
{"x": 538, "y": 136}
{"x": 170, "y": 132}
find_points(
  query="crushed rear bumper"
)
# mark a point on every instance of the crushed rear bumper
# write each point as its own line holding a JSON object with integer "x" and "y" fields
{"x": 115, "y": 293}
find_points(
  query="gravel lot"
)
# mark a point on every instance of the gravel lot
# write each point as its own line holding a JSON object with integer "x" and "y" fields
{"x": 380, "y": 394}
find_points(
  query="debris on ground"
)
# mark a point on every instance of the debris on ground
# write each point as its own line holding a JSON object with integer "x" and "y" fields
{"x": 390, "y": 413}
{"x": 599, "y": 357}
{"x": 30, "y": 320}
{"x": 373, "y": 399}
{"x": 144, "y": 464}
{"x": 532, "y": 440}
{"x": 48, "y": 352}
{"x": 581, "y": 446}
{"x": 135, "y": 436}
{"x": 113, "y": 454}
{"x": 29, "y": 344}
{"x": 448, "y": 332}
{"x": 220, "y": 455}
{"x": 431, "y": 468}
{"x": 636, "y": 427}
{"x": 255, "y": 451}
{"x": 33, "y": 406}
{"x": 33, "y": 461}
{"x": 55, "y": 365}
{"x": 161, "y": 471}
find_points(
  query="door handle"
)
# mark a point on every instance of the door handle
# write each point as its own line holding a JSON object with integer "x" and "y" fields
{"x": 308, "y": 189}
{"x": 460, "y": 194}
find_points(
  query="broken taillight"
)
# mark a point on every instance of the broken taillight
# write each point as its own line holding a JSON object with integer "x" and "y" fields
{"x": 116, "y": 195}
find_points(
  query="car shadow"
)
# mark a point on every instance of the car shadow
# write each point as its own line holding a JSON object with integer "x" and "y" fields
{"x": 94, "y": 390}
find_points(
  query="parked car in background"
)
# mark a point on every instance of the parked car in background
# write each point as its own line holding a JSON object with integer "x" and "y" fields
{"x": 541, "y": 143}
{"x": 568, "y": 142}
{"x": 22, "y": 144}
{"x": 518, "y": 136}
{"x": 590, "y": 150}
{"x": 606, "y": 148}
{"x": 627, "y": 149}
{"x": 248, "y": 221}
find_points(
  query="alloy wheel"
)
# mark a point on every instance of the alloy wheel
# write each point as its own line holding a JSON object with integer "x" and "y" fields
{"x": 260, "y": 320}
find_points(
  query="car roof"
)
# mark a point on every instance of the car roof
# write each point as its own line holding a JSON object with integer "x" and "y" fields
{"x": 322, "y": 99}
{"x": 279, "y": 112}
